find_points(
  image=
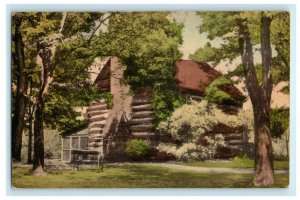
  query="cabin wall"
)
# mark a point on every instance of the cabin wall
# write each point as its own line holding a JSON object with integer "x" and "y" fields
{"x": 132, "y": 118}
{"x": 97, "y": 117}
{"x": 116, "y": 129}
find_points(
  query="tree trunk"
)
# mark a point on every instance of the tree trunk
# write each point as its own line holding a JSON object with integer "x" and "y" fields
{"x": 38, "y": 157}
{"x": 45, "y": 54}
{"x": 29, "y": 150}
{"x": 30, "y": 123}
{"x": 19, "y": 106}
{"x": 263, "y": 171}
{"x": 46, "y": 51}
{"x": 260, "y": 97}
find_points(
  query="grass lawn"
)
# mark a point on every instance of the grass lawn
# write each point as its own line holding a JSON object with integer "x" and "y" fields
{"x": 136, "y": 176}
{"x": 235, "y": 163}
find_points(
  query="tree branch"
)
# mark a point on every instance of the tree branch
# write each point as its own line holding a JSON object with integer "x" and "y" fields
{"x": 247, "y": 59}
{"x": 266, "y": 54}
{"x": 62, "y": 23}
{"x": 99, "y": 25}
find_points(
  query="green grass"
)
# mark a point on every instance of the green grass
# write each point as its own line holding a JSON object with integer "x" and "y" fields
{"x": 136, "y": 176}
{"x": 235, "y": 163}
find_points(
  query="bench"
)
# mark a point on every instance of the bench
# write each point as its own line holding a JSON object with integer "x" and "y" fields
{"x": 87, "y": 156}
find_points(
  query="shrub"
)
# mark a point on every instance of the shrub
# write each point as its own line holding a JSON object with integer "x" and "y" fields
{"x": 279, "y": 121}
{"x": 190, "y": 122}
{"x": 192, "y": 151}
{"x": 137, "y": 149}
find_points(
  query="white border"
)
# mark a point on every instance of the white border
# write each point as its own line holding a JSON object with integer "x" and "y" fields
{"x": 5, "y": 84}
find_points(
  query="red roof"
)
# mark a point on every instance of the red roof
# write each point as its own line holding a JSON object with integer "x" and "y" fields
{"x": 193, "y": 77}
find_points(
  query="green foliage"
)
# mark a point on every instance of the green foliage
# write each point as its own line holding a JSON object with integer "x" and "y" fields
{"x": 207, "y": 54}
{"x": 279, "y": 121}
{"x": 164, "y": 103}
{"x": 137, "y": 149}
{"x": 224, "y": 25}
{"x": 108, "y": 97}
{"x": 147, "y": 44}
{"x": 214, "y": 94}
{"x": 61, "y": 102}
{"x": 285, "y": 90}
{"x": 70, "y": 87}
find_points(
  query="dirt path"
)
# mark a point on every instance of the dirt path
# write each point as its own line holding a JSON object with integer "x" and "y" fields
{"x": 57, "y": 165}
{"x": 202, "y": 169}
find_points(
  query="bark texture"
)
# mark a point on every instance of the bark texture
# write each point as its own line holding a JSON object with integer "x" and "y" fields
{"x": 46, "y": 51}
{"x": 19, "y": 105}
{"x": 260, "y": 98}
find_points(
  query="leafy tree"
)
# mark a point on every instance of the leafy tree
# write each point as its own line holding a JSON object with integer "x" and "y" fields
{"x": 147, "y": 44}
{"x": 240, "y": 31}
{"x": 49, "y": 36}
{"x": 214, "y": 93}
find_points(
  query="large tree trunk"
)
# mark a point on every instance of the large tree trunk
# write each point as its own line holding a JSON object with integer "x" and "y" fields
{"x": 38, "y": 158}
{"x": 19, "y": 106}
{"x": 46, "y": 51}
{"x": 264, "y": 172}
{"x": 45, "y": 65}
{"x": 260, "y": 97}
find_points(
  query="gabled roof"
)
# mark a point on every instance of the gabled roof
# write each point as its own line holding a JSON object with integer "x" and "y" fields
{"x": 193, "y": 77}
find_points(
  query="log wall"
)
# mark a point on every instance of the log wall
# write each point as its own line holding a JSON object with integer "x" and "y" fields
{"x": 141, "y": 123}
{"x": 97, "y": 115}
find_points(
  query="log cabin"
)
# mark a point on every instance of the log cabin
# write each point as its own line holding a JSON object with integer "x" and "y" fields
{"x": 108, "y": 129}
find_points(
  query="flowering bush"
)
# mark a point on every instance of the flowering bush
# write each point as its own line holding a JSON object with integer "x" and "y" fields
{"x": 189, "y": 123}
{"x": 192, "y": 151}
